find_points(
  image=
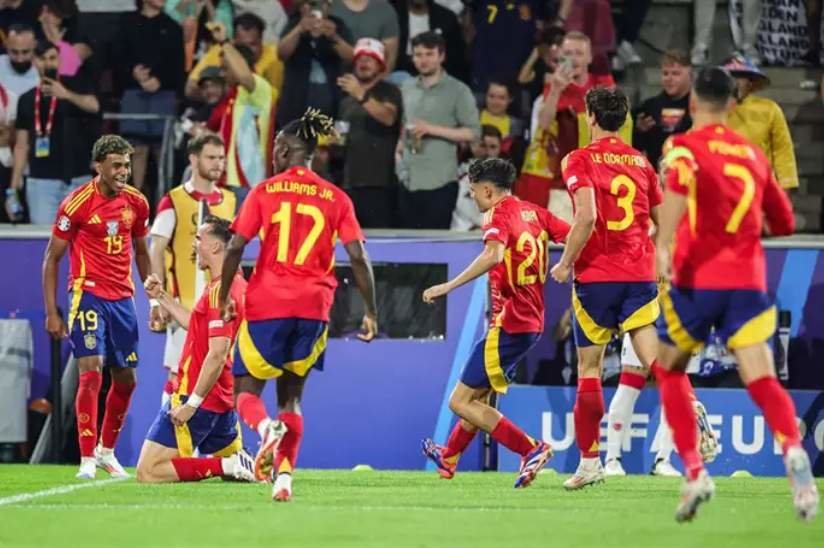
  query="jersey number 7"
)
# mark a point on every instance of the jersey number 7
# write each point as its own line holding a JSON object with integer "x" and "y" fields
{"x": 284, "y": 218}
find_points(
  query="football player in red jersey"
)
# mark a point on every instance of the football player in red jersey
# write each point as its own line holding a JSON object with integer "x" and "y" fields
{"x": 516, "y": 236}
{"x": 719, "y": 190}
{"x": 299, "y": 216}
{"x": 201, "y": 412}
{"x": 616, "y": 194}
{"x": 100, "y": 223}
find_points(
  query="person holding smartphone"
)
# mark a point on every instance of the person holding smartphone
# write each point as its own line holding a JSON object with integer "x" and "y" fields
{"x": 57, "y": 122}
{"x": 668, "y": 112}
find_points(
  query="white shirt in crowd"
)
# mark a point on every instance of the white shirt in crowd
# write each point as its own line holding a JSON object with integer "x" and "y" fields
{"x": 15, "y": 82}
{"x": 417, "y": 25}
{"x": 8, "y": 113}
{"x": 105, "y": 6}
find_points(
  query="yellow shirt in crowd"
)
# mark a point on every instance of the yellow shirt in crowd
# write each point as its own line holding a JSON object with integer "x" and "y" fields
{"x": 762, "y": 122}
{"x": 269, "y": 66}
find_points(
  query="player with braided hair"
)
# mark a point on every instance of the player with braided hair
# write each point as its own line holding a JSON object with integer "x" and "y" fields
{"x": 299, "y": 216}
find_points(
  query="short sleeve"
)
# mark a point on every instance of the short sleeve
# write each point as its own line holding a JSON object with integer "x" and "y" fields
{"x": 260, "y": 97}
{"x": 140, "y": 229}
{"x": 67, "y": 220}
{"x": 390, "y": 27}
{"x": 25, "y": 112}
{"x": 573, "y": 171}
{"x": 557, "y": 228}
{"x": 678, "y": 167}
{"x": 349, "y": 228}
{"x": 467, "y": 111}
{"x": 248, "y": 223}
{"x": 495, "y": 226}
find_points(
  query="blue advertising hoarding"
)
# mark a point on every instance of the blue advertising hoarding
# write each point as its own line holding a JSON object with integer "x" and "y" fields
{"x": 745, "y": 441}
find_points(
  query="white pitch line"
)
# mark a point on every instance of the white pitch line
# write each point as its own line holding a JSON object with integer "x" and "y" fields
{"x": 23, "y": 497}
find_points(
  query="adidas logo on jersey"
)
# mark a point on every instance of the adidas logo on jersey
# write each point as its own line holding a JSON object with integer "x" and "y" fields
{"x": 95, "y": 220}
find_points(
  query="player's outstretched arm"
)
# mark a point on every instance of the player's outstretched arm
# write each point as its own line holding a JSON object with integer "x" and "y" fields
{"x": 365, "y": 280}
{"x": 492, "y": 254}
{"x": 672, "y": 210}
{"x": 234, "y": 253}
{"x": 154, "y": 289}
{"x": 582, "y": 225}
{"x": 219, "y": 348}
{"x": 55, "y": 324}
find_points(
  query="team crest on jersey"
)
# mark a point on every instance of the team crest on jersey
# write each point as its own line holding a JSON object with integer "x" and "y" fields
{"x": 90, "y": 341}
{"x": 63, "y": 223}
{"x": 112, "y": 228}
{"x": 128, "y": 217}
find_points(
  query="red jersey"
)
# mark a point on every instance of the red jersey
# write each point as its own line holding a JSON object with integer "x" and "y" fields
{"x": 100, "y": 231}
{"x": 517, "y": 283}
{"x": 205, "y": 323}
{"x": 728, "y": 183}
{"x": 299, "y": 216}
{"x": 626, "y": 189}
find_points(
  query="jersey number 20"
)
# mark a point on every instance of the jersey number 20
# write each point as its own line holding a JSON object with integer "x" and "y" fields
{"x": 537, "y": 250}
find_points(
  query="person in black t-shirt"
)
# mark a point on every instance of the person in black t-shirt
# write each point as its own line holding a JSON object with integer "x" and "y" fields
{"x": 668, "y": 112}
{"x": 370, "y": 115}
{"x": 56, "y": 126}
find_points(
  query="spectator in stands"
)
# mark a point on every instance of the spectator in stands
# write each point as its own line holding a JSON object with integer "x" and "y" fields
{"x": 56, "y": 126}
{"x": 503, "y": 38}
{"x": 417, "y": 16}
{"x": 17, "y": 71}
{"x": 212, "y": 84}
{"x": 249, "y": 32}
{"x": 371, "y": 113}
{"x": 556, "y": 118}
{"x": 150, "y": 71}
{"x": 271, "y": 13}
{"x": 594, "y": 19}
{"x": 466, "y": 215}
{"x": 370, "y": 19}
{"x": 58, "y": 25}
{"x": 812, "y": 57}
{"x": 745, "y": 40}
{"x": 18, "y": 12}
{"x": 668, "y": 112}
{"x": 244, "y": 118}
{"x": 761, "y": 120}
{"x": 314, "y": 47}
{"x": 100, "y": 22}
{"x": 440, "y": 113}
{"x": 542, "y": 61}
{"x": 629, "y": 28}
{"x": 195, "y": 17}
{"x": 8, "y": 113}
{"x": 495, "y": 113}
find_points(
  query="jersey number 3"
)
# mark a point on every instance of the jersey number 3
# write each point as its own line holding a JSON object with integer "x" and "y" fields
{"x": 284, "y": 218}
{"x": 624, "y": 202}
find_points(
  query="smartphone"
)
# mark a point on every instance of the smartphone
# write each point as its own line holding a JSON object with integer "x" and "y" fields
{"x": 50, "y": 73}
{"x": 565, "y": 62}
{"x": 317, "y": 14}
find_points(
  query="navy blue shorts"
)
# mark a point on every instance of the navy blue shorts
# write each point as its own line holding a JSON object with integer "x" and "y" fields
{"x": 99, "y": 327}
{"x": 741, "y": 317}
{"x": 494, "y": 358}
{"x": 601, "y": 309}
{"x": 266, "y": 348}
{"x": 210, "y": 433}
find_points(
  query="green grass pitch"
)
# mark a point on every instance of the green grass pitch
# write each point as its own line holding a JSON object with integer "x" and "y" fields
{"x": 388, "y": 509}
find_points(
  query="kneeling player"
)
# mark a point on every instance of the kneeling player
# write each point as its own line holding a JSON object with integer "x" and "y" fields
{"x": 516, "y": 235}
{"x": 633, "y": 378}
{"x": 201, "y": 412}
{"x": 719, "y": 190}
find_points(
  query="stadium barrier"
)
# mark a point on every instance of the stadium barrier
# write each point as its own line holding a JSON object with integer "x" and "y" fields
{"x": 745, "y": 442}
{"x": 373, "y": 403}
